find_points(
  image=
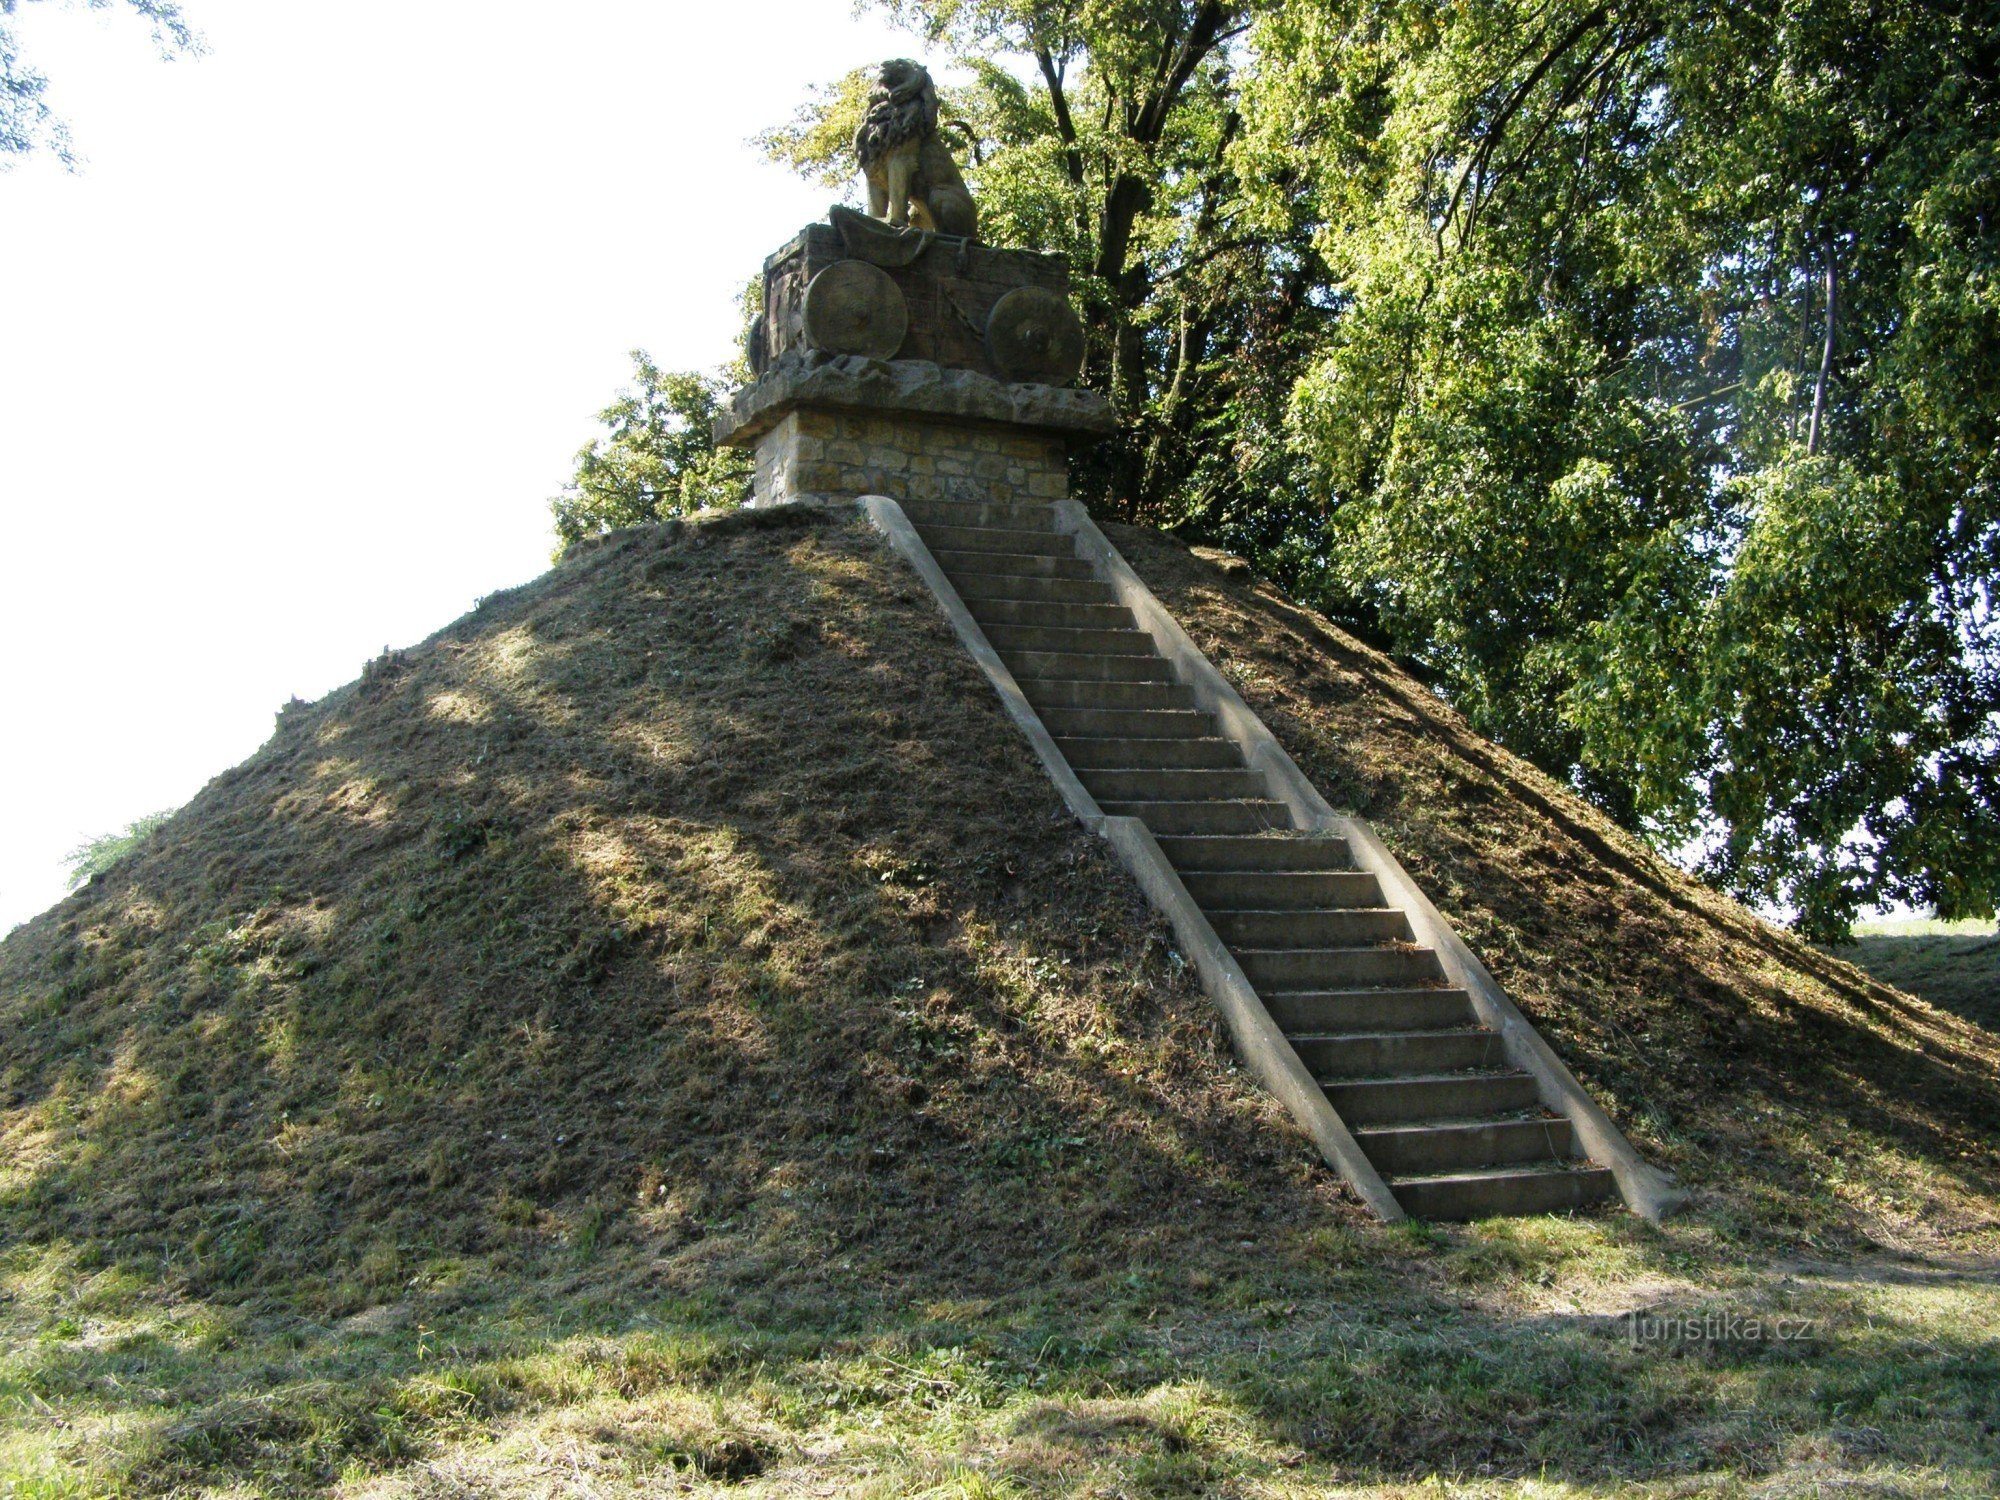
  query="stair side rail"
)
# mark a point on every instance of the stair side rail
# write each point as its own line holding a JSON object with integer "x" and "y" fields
{"x": 1259, "y": 1042}
{"x": 1647, "y": 1191}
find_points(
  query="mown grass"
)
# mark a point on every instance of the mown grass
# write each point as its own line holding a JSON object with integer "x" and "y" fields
{"x": 1489, "y": 1357}
{"x": 664, "y": 1035}
{"x": 1954, "y": 965}
{"x": 1924, "y": 927}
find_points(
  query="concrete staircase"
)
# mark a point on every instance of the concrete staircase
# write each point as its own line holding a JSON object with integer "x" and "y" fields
{"x": 1454, "y": 1130}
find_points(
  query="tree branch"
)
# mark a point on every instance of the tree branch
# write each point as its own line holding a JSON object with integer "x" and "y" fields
{"x": 1489, "y": 138}
{"x": 1059, "y": 107}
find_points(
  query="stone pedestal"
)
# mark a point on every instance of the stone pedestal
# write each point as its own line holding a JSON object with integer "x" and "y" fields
{"x": 949, "y": 287}
{"x": 908, "y": 429}
{"x": 938, "y": 421}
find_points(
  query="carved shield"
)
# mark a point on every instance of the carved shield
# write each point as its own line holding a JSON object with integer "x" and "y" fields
{"x": 854, "y": 308}
{"x": 1034, "y": 335}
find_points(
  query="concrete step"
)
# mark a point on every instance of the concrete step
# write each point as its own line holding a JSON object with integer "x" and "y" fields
{"x": 1139, "y": 723}
{"x": 1209, "y": 754}
{"x": 1005, "y": 541}
{"x": 1190, "y": 784}
{"x": 1437, "y": 1096}
{"x": 1338, "y": 968}
{"x": 1289, "y": 851}
{"x": 1461, "y": 1145}
{"x": 961, "y": 564}
{"x": 1370, "y": 1010}
{"x": 1115, "y": 641}
{"x": 1281, "y": 890}
{"x": 1201, "y": 817}
{"x": 1325, "y": 927}
{"x": 1384, "y": 1054}
{"x": 1503, "y": 1190}
{"x": 1011, "y": 515}
{"x": 1089, "y": 667}
{"x": 991, "y": 612}
{"x": 974, "y": 587}
{"x": 1053, "y": 693}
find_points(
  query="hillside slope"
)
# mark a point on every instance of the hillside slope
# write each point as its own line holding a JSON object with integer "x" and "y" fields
{"x": 701, "y": 885}
{"x": 1954, "y": 965}
{"x": 673, "y": 991}
{"x": 1793, "y": 1092}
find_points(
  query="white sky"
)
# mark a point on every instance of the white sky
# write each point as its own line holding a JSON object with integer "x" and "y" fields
{"x": 289, "y": 369}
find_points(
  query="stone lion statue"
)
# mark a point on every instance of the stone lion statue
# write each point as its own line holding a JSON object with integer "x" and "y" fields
{"x": 911, "y": 176}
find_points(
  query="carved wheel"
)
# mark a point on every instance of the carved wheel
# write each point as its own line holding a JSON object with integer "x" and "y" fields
{"x": 854, "y": 308}
{"x": 1034, "y": 335}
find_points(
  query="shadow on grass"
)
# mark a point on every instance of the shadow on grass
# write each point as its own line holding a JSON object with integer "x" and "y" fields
{"x": 1959, "y": 973}
{"x": 675, "y": 979}
{"x": 1298, "y": 1372}
{"x": 1805, "y": 1097}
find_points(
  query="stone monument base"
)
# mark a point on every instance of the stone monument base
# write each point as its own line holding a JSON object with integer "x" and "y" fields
{"x": 841, "y": 426}
{"x": 815, "y": 452}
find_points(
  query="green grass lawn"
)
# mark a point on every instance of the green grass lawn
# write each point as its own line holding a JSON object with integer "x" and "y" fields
{"x": 664, "y": 1035}
{"x": 1495, "y": 1358}
{"x": 1955, "y": 965}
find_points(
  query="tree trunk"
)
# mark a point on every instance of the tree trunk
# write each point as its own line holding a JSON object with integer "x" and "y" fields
{"x": 1825, "y": 360}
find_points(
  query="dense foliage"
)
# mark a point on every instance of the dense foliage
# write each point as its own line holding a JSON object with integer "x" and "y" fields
{"x": 1107, "y": 133}
{"x": 1660, "y": 414}
{"x": 1632, "y": 367}
{"x": 653, "y": 458}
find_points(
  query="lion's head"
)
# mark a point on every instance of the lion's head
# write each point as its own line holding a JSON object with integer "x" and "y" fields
{"x": 902, "y": 106}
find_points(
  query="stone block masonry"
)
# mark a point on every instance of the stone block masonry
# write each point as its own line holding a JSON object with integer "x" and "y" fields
{"x": 953, "y": 415}
{"x": 821, "y": 452}
{"x": 908, "y": 429}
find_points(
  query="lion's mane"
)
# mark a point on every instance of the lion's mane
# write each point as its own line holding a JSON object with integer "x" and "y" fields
{"x": 901, "y": 107}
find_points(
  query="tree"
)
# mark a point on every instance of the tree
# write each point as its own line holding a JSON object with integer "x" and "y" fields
{"x": 1660, "y": 416}
{"x": 26, "y": 121}
{"x": 655, "y": 458}
{"x": 95, "y": 856}
{"x": 1632, "y": 366}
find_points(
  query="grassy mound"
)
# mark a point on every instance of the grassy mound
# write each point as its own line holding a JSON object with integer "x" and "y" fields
{"x": 665, "y": 1030}
{"x": 1800, "y": 1097}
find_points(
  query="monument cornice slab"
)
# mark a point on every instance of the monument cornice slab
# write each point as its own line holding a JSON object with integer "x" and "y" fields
{"x": 911, "y": 388}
